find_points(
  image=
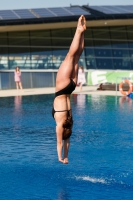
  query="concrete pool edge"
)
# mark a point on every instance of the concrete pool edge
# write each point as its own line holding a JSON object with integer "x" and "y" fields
{"x": 51, "y": 90}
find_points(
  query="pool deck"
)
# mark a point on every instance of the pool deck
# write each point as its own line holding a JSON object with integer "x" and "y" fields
{"x": 51, "y": 90}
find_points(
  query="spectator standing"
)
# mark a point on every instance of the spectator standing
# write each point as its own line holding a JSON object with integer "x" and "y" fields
{"x": 17, "y": 78}
{"x": 81, "y": 77}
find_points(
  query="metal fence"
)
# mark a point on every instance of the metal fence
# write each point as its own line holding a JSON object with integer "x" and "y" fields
{"x": 29, "y": 79}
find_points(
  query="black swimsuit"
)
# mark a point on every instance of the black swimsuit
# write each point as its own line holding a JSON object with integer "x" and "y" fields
{"x": 67, "y": 90}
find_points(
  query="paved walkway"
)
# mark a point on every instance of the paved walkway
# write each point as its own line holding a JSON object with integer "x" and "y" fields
{"x": 50, "y": 90}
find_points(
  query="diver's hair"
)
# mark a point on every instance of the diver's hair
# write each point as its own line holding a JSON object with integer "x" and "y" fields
{"x": 67, "y": 128}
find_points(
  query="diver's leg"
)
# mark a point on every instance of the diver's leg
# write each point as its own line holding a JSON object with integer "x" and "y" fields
{"x": 66, "y": 69}
{"x": 76, "y": 60}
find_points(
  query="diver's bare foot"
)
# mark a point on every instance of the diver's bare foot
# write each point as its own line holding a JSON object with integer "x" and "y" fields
{"x": 81, "y": 26}
{"x": 61, "y": 160}
{"x": 65, "y": 161}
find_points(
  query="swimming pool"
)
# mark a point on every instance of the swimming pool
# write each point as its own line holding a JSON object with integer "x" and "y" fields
{"x": 100, "y": 159}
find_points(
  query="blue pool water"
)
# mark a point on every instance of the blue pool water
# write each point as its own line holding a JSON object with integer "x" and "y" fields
{"x": 100, "y": 159}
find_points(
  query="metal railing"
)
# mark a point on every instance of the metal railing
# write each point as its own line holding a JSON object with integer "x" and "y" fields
{"x": 29, "y": 79}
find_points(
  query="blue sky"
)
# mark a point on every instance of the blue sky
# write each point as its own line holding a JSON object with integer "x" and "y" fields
{"x": 20, "y": 4}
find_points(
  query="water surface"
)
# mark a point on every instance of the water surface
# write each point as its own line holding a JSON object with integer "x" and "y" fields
{"x": 100, "y": 159}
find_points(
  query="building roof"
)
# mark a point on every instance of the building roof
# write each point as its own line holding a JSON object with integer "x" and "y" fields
{"x": 64, "y": 14}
